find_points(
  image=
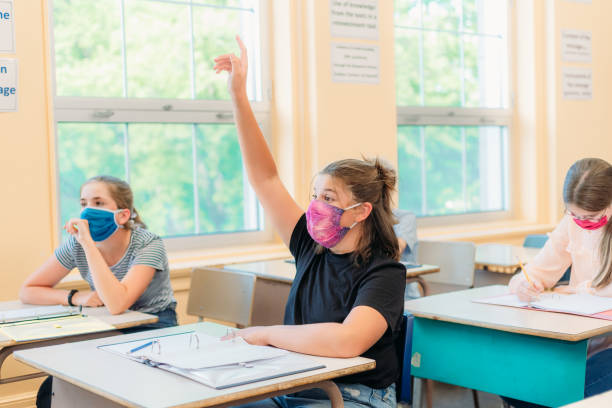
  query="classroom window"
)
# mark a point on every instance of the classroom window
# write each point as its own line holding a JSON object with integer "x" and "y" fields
{"x": 451, "y": 61}
{"x": 136, "y": 97}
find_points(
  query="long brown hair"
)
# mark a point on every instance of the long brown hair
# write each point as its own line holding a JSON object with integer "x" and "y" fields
{"x": 121, "y": 193}
{"x": 588, "y": 185}
{"x": 370, "y": 180}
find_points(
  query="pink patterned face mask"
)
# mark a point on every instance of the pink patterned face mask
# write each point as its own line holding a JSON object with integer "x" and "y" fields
{"x": 591, "y": 225}
{"x": 323, "y": 223}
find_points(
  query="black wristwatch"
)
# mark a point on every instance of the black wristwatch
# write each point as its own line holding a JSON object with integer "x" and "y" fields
{"x": 70, "y": 295}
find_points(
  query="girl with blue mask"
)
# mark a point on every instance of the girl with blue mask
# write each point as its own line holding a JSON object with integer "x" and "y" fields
{"x": 347, "y": 297}
{"x": 125, "y": 265}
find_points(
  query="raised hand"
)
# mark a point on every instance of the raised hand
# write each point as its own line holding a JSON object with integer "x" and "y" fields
{"x": 236, "y": 67}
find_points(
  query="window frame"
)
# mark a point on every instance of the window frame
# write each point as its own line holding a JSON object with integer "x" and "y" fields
{"x": 158, "y": 110}
{"x": 415, "y": 115}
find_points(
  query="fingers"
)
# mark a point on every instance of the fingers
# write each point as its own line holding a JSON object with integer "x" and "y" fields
{"x": 243, "y": 51}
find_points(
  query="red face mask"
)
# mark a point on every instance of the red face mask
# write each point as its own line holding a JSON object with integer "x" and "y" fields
{"x": 591, "y": 225}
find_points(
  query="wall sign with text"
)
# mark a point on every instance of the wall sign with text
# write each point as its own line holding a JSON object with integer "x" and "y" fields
{"x": 8, "y": 85}
{"x": 7, "y": 27}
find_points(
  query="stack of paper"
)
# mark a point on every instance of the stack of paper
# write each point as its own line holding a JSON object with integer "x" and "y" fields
{"x": 53, "y": 328}
{"x": 210, "y": 361}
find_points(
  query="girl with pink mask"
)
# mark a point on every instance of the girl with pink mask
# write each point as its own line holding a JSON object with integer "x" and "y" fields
{"x": 583, "y": 239}
{"x": 347, "y": 297}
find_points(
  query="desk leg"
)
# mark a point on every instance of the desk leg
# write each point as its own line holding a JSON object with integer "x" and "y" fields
{"x": 530, "y": 368}
{"x": 66, "y": 395}
{"x": 421, "y": 282}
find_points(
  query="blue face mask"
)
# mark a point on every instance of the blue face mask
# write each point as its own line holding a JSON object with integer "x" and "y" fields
{"x": 102, "y": 222}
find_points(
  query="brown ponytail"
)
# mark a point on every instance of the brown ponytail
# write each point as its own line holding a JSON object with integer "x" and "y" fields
{"x": 121, "y": 193}
{"x": 370, "y": 180}
{"x": 588, "y": 185}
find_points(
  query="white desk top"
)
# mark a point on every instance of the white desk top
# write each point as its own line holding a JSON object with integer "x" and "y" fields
{"x": 122, "y": 321}
{"x": 504, "y": 255}
{"x": 598, "y": 401}
{"x": 134, "y": 384}
{"x": 457, "y": 307}
{"x": 283, "y": 271}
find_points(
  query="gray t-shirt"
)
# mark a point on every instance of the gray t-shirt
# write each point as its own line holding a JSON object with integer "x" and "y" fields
{"x": 145, "y": 248}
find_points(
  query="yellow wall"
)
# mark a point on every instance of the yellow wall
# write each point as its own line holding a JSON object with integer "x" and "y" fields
{"x": 317, "y": 121}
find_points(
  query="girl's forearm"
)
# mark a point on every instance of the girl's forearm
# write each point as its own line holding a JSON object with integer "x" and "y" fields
{"x": 108, "y": 287}
{"x": 41, "y": 295}
{"x": 320, "y": 339}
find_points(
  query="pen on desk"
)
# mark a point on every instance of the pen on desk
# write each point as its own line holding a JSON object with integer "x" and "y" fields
{"x": 141, "y": 346}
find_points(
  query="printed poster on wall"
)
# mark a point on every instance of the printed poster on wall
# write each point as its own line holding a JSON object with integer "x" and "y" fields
{"x": 577, "y": 83}
{"x": 8, "y": 85}
{"x": 576, "y": 46}
{"x": 356, "y": 63}
{"x": 354, "y": 18}
{"x": 7, "y": 27}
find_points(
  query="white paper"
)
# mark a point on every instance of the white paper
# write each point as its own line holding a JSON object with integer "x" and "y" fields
{"x": 7, "y": 27}
{"x": 222, "y": 364}
{"x": 582, "y": 304}
{"x": 576, "y": 46}
{"x": 355, "y": 63}
{"x": 577, "y": 83}
{"x": 8, "y": 85}
{"x": 354, "y": 18}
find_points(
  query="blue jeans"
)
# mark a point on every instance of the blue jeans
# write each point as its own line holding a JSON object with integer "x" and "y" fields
{"x": 354, "y": 396}
{"x": 166, "y": 318}
{"x": 598, "y": 379}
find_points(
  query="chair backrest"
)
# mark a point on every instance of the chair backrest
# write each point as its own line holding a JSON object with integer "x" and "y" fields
{"x": 535, "y": 240}
{"x": 455, "y": 259}
{"x": 222, "y": 295}
{"x": 403, "y": 387}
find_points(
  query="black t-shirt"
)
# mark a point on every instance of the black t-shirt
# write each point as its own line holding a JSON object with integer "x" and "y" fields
{"x": 328, "y": 286}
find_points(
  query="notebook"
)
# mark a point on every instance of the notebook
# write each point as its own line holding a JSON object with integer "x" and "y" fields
{"x": 211, "y": 361}
{"x": 37, "y": 313}
{"x": 54, "y": 327}
{"x": 579, "y": 304}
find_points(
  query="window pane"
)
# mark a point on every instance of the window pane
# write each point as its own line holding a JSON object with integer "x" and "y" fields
{"x": 87, "y": 46}
{"x": 484, "y": 70}
{"x": 161, "y": 175}
{"x": 407, "y": 67}
{"x": 158, "y": 49}
{"x": 407, "y": 13}
{"x": 85, "y": 150}
{"x": 409, "y": 161}
{"x": 226, "y": 201}
{"x": 442, "y": 70}
{"x": 465, "y": 169}
{"x": 441, "y": 14}
{"x": 214, "y": 33}
{"x": 443, "y": 161}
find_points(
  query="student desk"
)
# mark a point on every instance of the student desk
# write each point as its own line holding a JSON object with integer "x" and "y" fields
{"x": 274, "y": 279}
{"x": 530, "y": 355}
{"x": 122, "y": 321}
{"x": 598, "y": 401}
{"x": 503, "y": 258}
{"x": 97, "y": 378}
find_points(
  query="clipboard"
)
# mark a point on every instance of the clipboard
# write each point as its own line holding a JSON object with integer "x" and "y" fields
{"x": 212, "y": 362}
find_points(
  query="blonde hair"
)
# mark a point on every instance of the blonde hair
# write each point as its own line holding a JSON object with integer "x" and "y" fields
{"x": 121, "y": 193}
{"x": 370, "y": 180}
{"x": 588, "y": 185}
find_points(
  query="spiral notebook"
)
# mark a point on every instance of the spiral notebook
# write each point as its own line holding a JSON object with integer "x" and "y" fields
{"x": 210, "y": 361}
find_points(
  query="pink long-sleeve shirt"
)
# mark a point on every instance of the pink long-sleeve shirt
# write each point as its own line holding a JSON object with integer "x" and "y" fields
{"x": 569, "y": 245}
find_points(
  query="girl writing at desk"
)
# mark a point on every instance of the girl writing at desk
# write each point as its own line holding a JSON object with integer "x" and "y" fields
{"x": 583, "y": 239}
{"x": 347, "y": 296}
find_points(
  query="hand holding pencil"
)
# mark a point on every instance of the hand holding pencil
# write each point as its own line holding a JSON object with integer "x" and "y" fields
{"x": 529, "y": 289}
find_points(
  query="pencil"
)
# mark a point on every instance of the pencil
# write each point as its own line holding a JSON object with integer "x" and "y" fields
{"x": 525, "y": 272}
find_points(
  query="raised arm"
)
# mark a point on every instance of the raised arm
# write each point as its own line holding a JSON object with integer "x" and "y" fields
{"x": 258, "y": 161}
